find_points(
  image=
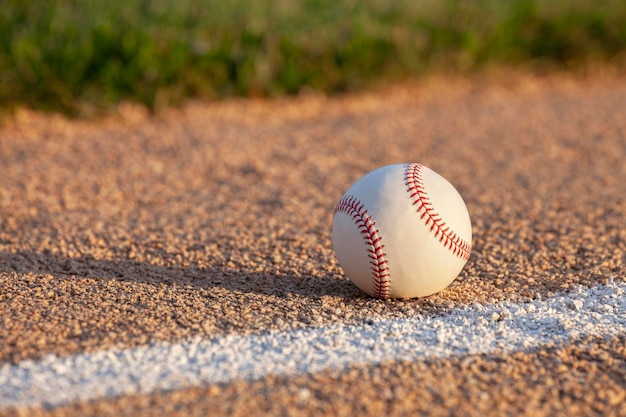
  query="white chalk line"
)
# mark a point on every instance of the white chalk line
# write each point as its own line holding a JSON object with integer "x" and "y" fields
{"x": 499, "y": 328}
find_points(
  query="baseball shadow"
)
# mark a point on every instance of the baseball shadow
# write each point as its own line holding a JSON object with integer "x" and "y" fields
{"x": 128, "y": 270}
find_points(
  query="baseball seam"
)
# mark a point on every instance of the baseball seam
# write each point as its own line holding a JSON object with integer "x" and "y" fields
{"x": 413, "y": 178}
{"x": 350, "y": 205}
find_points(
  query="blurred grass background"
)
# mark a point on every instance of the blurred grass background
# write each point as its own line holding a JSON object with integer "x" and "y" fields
{"x": 79, "y": 56}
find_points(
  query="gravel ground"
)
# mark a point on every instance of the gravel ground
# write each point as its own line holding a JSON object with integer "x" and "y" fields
{"x": 214, "y": 219}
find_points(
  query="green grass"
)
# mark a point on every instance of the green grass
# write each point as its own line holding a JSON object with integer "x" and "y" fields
{"x": 75, "y": 56}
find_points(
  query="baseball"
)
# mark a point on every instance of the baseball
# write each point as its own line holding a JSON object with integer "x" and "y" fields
{"x": 402, "y": 231}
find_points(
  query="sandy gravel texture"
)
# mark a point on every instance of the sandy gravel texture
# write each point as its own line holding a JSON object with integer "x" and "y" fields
{"x": 215, "y": 219}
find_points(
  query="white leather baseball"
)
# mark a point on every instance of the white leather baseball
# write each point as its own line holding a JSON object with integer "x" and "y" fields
{"x": 402, "y": 231}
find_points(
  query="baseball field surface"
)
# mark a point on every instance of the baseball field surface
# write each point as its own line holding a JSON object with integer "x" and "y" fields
{"x": 182, "y": 263}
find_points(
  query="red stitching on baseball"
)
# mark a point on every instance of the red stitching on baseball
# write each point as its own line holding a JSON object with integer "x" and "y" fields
{"x": 378, "y": 263}
{"x": 432, "y": 220}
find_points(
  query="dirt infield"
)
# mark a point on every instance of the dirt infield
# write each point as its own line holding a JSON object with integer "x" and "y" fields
{"x": 215, "y": 219}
